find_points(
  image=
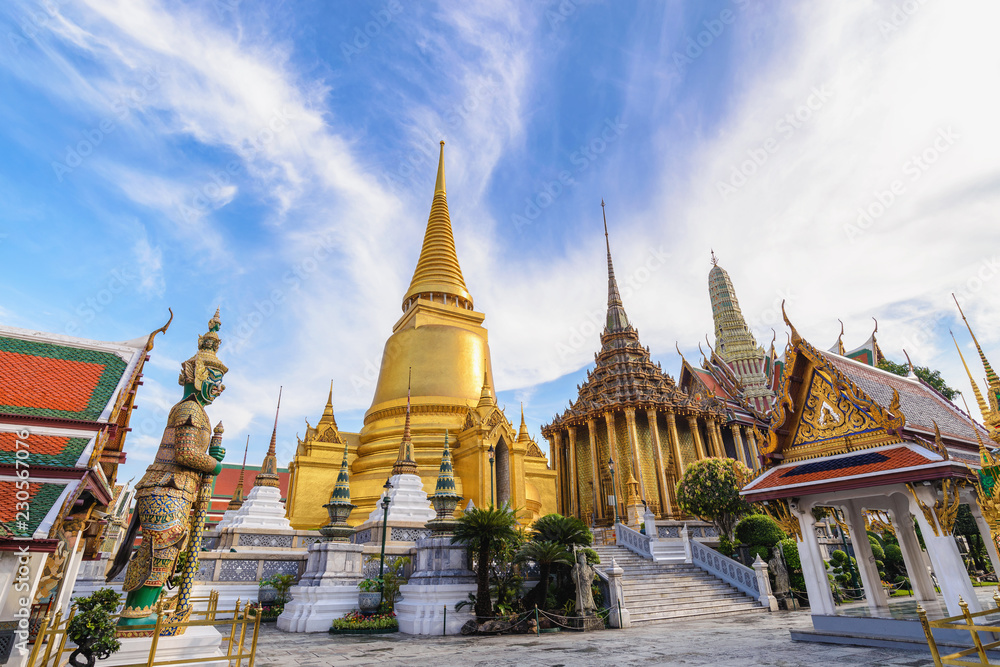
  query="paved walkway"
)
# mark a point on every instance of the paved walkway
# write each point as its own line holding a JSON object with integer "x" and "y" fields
{"x": 760, "y": 639}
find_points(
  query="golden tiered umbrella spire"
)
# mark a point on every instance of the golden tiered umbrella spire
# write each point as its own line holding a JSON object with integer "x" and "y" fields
{"x": 405, "y": 465}
{"x": 438, "y": 276}
{"x": 268, "y": 475}
{"x": 237, "y": 499}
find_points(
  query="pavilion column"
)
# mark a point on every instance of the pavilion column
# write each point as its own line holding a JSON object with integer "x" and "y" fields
{"x": 985, "y": 533}
{"x": 699, "y": 447}
{"x": 738, "y": 442}
{"x": 665, "y": 503}
{"x": 633, "y": 441}
{"x": 675, "y": 445}
{"x": 562, "y": 474}
{"x": 754, "y": 451}
{"x": 870, "y": 579}
{"x": 596, "y": 481}
{"x": 813, "y": 566}
{"x": 920, "y": 578}
{"x": 555, "y": 454}
{"x": 943, "y": 552}
{"x": 609, "y": 421}
{"x": 574, "y": 491}
{"x": 720, "y": 446}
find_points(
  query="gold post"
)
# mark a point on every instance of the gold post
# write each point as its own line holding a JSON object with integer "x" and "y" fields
{"x": 574, "y": 505}
{"x": 699, "y": 447}
{"x": 39, "y": 639}
{"x": 972, "y": 629}
{"x": 156, "y": 633}
{"x": 52, "y": 640}
{"x": 253, "y": 644}
{"x": 922, "y": 615}
{"x": 595, "y": 480}
{"x": 243, "y": 626}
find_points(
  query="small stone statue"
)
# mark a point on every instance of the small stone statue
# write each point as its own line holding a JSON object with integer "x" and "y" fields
{"x": 777, "y": 565}
{"x": 583, "y": 577}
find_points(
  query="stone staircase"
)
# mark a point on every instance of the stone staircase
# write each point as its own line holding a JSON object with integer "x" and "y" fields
{"x": 659, "y": 592}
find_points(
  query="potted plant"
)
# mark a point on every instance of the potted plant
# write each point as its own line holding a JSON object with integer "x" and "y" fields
{"x": 370, "y": 595}
{"x": 273, "y": 605}
{"x": 92, "y": 629}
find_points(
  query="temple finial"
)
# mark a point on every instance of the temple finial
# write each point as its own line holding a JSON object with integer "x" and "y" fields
{"x": 405, "y": 464}
{"x": 795, "y": 338}
{"x": 616, "y": 320}
{"x": 328, "y": 417}
{"x": 715, "y": 260}
{"x": 237, "y": 499}
{"x": 438, "y": 275}
{"x": 841, "y": 350}
{"x": 268, "y": 475}
{"x": 991, "y": 378}
{"x": 909, "y": 363}
{"x": 439, "y": 184}
{"x": 983, "y": 407}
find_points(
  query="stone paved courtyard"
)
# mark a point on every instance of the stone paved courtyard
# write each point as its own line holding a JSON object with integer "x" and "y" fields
{"x": 758, "y": 639}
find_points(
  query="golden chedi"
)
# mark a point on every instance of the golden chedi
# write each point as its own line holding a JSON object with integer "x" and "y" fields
{"x": 440, "y": 347}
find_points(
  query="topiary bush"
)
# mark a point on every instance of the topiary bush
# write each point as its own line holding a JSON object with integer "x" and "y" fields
{"x": 759, "y": 530}
{"x": 92, "y": 629}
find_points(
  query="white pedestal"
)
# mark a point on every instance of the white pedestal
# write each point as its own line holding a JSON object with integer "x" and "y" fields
{"x": 441, "y": 579}
{"x": 408, "y": 501}
{"x": 261, "y": 509}
{"x": 422, "y": 609}
{"x": 201, "y": 641}
{"x": 327, "y": 590}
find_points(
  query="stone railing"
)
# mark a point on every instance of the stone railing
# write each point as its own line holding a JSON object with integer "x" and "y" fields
{"x": 632, "y": 540}
{"x": 736, "y": 575}
{"x": 697, "y": 531}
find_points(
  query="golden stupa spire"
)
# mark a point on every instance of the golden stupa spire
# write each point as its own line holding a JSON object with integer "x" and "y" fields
{"x": 237, "y": 500}
{"x": 268, "y": 475}
{"x": 327, "y": 417}
{"x": 485, "y": 394}
{"x": 405, "y": 465}
{"x": 438, "y": 276}
{"x": 522, "y": 433}
{"x": 991, "y": 378}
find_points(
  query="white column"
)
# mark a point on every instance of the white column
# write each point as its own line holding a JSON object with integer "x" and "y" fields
{"x": 814, "y": 567}
{"x": 920, "y": 578}
{"x": 870, "y": 579}
{"x": 766, "y": 599}
{"x": 986, "y": 534}
{"x": 945, "y": 558}
{"x": 617, "y": 602}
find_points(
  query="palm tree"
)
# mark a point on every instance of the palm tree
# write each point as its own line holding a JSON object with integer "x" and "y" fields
{"x": 482, "y": 530}
{"x": 546, "y": 554}
{"x": 565, "y": 530}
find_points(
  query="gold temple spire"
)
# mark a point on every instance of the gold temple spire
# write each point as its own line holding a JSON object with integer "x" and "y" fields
{"x": 522, "y": 433}
{"x": 991, "y": 378}
{"x": 268, "y": 475}
{"x": 617, "y": 320}
{"x": 983, "y": 407}
{"x": 438, "y": 276}
{"x": 328, "y": 417}
{"x": 486, "y": 394}
{"x": 237, "y": 500}
{"x": 405, "y": 465}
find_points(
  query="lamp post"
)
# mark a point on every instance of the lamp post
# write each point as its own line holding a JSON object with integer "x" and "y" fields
{"x": 491, "y": 451}
{"x": 385, "y": 527}
{"x": 614, "y": 489}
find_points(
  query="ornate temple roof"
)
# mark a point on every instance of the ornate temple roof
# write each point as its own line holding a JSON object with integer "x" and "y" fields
{"x": 624, "y": 374}
{"x": 438, "y": 271}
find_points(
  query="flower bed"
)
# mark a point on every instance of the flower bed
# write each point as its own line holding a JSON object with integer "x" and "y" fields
{"x": 356, "y": 623}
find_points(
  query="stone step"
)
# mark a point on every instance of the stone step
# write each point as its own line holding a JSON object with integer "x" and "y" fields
{"x": 650, "y": 602}
{"x": 696, "y": 607}
{"x": 653, "y": 618}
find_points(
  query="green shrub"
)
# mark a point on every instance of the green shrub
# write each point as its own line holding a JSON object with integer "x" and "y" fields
{"x": 791, "y": 551}
{"x": 710, "y": 489}
{"x": 759, "y": 530}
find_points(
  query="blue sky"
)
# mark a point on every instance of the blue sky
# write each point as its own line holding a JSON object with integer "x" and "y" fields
{"x": 278, "y": 160}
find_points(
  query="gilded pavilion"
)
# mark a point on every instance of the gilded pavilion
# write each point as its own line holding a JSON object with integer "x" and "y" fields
{"x": 629, "y": 411}
{"x": 439, "y": 352}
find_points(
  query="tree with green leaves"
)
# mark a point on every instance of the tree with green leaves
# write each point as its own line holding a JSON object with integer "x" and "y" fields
{"x": 565, "y": 530}
{"x": 933, "y": 378}
{"x": 546, "y": 554}
{"x": 710, "y": 489}
{"x": 483, "y": 530}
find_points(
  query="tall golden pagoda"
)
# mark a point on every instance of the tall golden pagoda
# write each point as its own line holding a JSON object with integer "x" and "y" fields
{"x": 439, "y": 355}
